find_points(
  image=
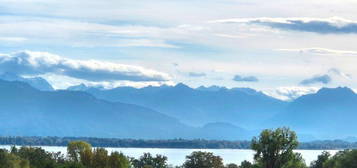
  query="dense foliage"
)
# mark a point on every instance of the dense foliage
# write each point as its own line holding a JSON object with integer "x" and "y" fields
{"x": 203, "y": 160}
{"x": 274, "y": 149}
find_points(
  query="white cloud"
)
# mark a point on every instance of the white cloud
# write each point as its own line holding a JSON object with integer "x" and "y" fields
{"x": 289, "y": 93}
{"x": 197, "y": 74}
{"x": 63, "y": 82}
{"x": 13, "y": 39}
{"x": 320, "y": 51}
{"x": 317, "y": 25}
{"x": 332, "y": 75}
{"x": 145, "y": 43}
{"x": 336, "y": 72}
{"x": 37, "y": 63}
{"x": 90, "y": 34}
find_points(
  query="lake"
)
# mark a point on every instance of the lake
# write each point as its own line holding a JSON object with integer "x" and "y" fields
{"x": 177, "y": 156}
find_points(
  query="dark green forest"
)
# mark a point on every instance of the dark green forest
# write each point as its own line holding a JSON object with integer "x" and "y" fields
{"x": 173, "y": 143}
{"x": 273, "y": 149}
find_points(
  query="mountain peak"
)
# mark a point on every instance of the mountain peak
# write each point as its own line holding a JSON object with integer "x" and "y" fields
{"x": 336, "y": 91}
{"x": 181, "y": 85}
{"x": 36, "y": 82}
{"x": 212, "y": 88}
{"x": 80, "y": 87}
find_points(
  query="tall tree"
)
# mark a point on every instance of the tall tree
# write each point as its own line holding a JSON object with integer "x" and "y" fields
{"x": 342, "y": 159}
{"x": 321, "y": 159}
{"x": 274, "y": 148}
{"x": 77, "y": 148}
{"x": 246, "y": 164}
{"x": 231, "y": 165}
{"x": 148, "y": 161}
{"x": 100, "y": 158}
{"x": 295, "y": 162}
{"x": 203, "y": 160}
{"x": 118, "y": 160}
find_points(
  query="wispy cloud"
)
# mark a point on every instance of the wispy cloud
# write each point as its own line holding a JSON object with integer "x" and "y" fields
{"x": 318, "y": 79}
{"x": 337, "y": 72}
{"x": 91, "y": 34}
{"x": 196, "y": 74}
{"x": 13, "y": 39}
{"x": 240, "y": 78}
{"x": 332, "y": 74}
{"x": 320, "y": 51}
{"x": 145, "y": 43}
{"x": 37, "y": 63}
{"x": 335, "y": 25}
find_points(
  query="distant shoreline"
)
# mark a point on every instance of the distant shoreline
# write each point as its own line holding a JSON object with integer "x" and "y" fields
{"x": 170, "y": 144}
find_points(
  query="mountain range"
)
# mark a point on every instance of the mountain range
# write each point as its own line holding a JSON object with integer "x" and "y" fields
{"x": 329, "y": 113}
{"x": 165, "y": 112}
{"x": 36, "y": 82}
{"x": 239, "y": 106}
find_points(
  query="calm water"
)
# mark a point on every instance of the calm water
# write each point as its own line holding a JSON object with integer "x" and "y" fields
{"x": 177, "y": 156}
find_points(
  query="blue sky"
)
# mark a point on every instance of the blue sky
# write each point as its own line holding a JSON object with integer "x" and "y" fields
{"x": 281, "y": 47}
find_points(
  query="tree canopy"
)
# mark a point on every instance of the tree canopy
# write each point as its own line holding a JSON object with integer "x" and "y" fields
{"x": 203, "y": 160}
{"x": 274, "y": 148}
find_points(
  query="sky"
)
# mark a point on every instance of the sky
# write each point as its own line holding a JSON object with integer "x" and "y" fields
{"x": 285, "y": 48}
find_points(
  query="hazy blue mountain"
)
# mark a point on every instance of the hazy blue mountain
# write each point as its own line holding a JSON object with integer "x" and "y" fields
{"x": 213, "y": 88}
{"x": 350, "y": 139}
{"x": 36, "y": 82}
{"x": 81, "y": 87}
{"x": 26, "y": 111}
{"x": 329, "y": 113}
{"x": 226, "y": 131}
{"x": 239, "y": 106}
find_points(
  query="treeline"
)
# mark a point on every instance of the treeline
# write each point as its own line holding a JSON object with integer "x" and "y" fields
{"x": 173, "y": 143}
{"x": 125, "y": 143}
{"x": 81, "y": 155}
{"x": 273, "y": 149}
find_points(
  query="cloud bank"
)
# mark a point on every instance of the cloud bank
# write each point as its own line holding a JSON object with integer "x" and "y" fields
{"x": 37, "y": 63}
{"x": 333, "y": 25}
{"x": 239, "y": 78}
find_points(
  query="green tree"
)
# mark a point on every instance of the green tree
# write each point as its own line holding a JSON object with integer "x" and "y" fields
{"x": 118, "y": 160}
{"x": 86, "y": 158}
{"x": 77, "y": 148}
{"x": 246, "y": 164}
{"x": 100, "y": 158}
{"x": 274, "y": 148}
{"x": 321, "y": 159}
{"x": 72, "y": 164}
{"x": 342, "y": 159}
{"x": 37, "y": 157}
{"x": 203, "y": 160}
{"x": 295, "y": 162}
{"x": 231, "y": 165}
{"x": 9, "y": 160}
{"x": 148, "y": 161}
